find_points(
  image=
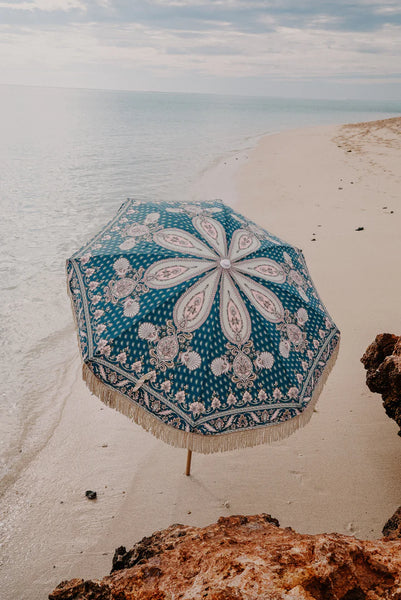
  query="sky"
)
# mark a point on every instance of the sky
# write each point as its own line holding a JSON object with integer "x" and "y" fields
{"x": 289, "y": 48}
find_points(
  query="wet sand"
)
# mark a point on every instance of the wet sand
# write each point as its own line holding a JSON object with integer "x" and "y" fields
{"x": 341, "y": 472}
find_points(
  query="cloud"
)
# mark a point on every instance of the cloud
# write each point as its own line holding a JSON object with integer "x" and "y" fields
{"x": 152, "y": 40}
{"x": 293, "y": 52}
{"x": 241, "y": 15}
{"x": 44, "y": 5}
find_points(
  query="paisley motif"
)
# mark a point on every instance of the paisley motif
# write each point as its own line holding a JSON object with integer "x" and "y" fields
{"x": 193, "y": 308}
{"x": 213, "y": 232}
{"x": 264, "y": 300}
{"x": 169, "y": 272}
{"x": 242, "y": 243}
{"x": 182, "y": 241}
{"x": 234, "y": 317}
{"x": 265, "y": 268}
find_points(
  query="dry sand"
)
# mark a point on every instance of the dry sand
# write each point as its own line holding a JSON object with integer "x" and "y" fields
{"x": 342, "y": 472}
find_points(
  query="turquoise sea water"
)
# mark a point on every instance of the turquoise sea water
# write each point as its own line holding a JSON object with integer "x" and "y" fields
{"x": 68, "y": 159}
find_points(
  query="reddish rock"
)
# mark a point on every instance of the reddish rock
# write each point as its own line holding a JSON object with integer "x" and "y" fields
{"x": 246, "y": 558}
{"x": 382, "y": 360}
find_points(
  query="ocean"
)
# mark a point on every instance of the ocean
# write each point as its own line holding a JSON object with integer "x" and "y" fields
{"x": 68, "y": 159}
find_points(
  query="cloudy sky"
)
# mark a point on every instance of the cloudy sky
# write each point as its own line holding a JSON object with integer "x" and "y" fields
{"x": 307, "y": 48}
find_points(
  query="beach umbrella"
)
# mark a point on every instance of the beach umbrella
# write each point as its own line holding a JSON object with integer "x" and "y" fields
{"x": 200, "y": 325}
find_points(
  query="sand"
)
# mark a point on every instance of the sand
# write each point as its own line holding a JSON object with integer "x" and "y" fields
{"x": 340, "y": 473}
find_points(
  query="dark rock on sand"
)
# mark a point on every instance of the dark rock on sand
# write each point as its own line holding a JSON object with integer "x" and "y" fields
{"x": 90, "y": 495}
{"x": 382, "y": 360}
{"x": 145, "y": 549}
{"x": 392, "y": 529}
{"x": 249, "y": 558}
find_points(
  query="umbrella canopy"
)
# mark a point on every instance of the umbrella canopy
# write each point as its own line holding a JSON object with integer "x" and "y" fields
{"x": 200, "y": 325}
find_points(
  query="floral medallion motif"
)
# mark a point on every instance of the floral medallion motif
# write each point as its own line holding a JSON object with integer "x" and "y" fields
{"x": 224, "y": 267}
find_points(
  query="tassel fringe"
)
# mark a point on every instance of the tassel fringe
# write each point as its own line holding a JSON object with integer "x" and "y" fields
{"x": 205, "y": 444}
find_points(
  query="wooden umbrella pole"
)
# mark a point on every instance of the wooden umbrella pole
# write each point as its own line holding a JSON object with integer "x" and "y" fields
{"x": 188, "y": 468}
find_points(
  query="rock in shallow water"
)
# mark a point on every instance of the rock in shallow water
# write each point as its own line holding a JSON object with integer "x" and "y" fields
{"x": 246, "y": 558}
{"x": 382, "y": 360}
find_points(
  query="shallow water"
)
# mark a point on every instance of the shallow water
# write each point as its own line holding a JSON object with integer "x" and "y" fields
{"x": 68, "y": 159}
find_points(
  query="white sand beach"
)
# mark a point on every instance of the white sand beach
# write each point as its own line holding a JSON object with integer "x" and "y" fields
{"x": 342, "y": 472}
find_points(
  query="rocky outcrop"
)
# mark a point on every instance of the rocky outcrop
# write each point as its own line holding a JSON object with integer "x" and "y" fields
{"x": 382, "y": 360}
{"x": 246, "y": 558}
{"x": 392, "y": 529}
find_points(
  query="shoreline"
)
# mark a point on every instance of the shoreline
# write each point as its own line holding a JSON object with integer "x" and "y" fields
{"x": 218, "y": 181}
{"x": 339, "y": 473}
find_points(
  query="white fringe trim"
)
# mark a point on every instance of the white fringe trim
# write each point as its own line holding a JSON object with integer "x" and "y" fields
{"x": 206, "y": 444}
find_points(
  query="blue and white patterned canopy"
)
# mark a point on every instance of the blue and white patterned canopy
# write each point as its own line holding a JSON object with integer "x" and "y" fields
{"x": 200, "y": 325}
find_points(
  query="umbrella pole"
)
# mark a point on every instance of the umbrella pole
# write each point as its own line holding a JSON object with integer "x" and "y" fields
{"x": 188, "y": 467}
